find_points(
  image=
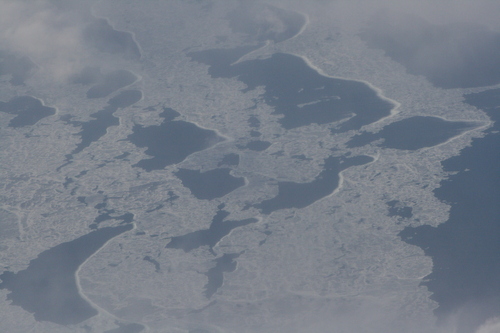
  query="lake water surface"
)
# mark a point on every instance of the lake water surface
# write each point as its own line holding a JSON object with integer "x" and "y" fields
{"x": 413, "y": 133}
{"x": 296, "y": 91}
{"x": 466, "y": 249}
{"x": 300, "y": 195}
{"x": 48, "y": 289}
{"x": 211, "y": 236}
{"x": 28, "y": 111}
{"x": 171, "y": 141}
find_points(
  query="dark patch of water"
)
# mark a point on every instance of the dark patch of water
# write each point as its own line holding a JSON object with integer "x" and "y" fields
{"x": 301, "y": 157}
{"x": 224, "y": 264}
{"x": 47, "y": 288}
{"x": 257, "y": 145}
{"x": 450, "y": 56}
{"x": 101, "y": 35}
{"x": 210, "y": 184}
{"x": 397, "y": 209}
{"x": 171, "y": 142}
{"x": 298, "y": 92}
{"x": 218, "y": 229}
{"x": 122, "y": 156}
{"x": 154, "y": 262}
{"x": 465, "y": 249}
{"x": 172, "y": 196}
{"x": 254, "y": 122}
{"x": 169, "y": 114}
{"x": 28, "y": 111}
{"x": 300, "y": 195}
{"x": 255, "y": 134}
{"x": 93, "y": 130}
{"x": 230, "y": 159}
{"x": 100, "y": 203}
{"x": 106, "y": 216}
{"x": 413, "y": 133}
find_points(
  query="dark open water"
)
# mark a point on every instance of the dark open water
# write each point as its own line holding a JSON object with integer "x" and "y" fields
{"x": 466, "y": 249}
{"x": 48, "y": 289}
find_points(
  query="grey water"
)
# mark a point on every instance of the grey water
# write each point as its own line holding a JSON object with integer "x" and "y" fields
{"x": 450, "y": 56}
{"x": 300, "y": 195}
{"x": 94, "y": 129}
{"x": 28, "y": 111}
{"x": 154, "y": 262}
{"x": 413, "y": 133}
{"x": 210, "y": 184}
{"x": 253, "y": 122}
{"x": 48, "y": 289}
{"x": 255, "y": 134}
{"x": 101, "y": 35}
{"x": 466, "y": 249}
{"x": 171, "y": 141}
{"x": 105, "y": 215}
{"x": 20, "y": 68}
{"x": 224, "y": 264}
{"x": 395, "y": 208}
{"x": 230, "y": 159}
{"x": 296, "y": 91}
{"x": 219, "y": 228}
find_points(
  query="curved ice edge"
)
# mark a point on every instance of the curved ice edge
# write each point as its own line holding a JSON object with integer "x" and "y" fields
{"x": 378, "y": 91}
{"x": 101, "y": 311}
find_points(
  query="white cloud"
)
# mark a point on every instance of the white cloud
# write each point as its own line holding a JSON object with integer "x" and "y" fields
{"x": 491, "y": 326}
{"x": 48, "y": 34}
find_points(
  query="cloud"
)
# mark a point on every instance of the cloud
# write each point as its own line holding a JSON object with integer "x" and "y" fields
{"x": 349, "y": 14}
{"x": 48, "y": 33}
{"x": 491, "y": 326}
